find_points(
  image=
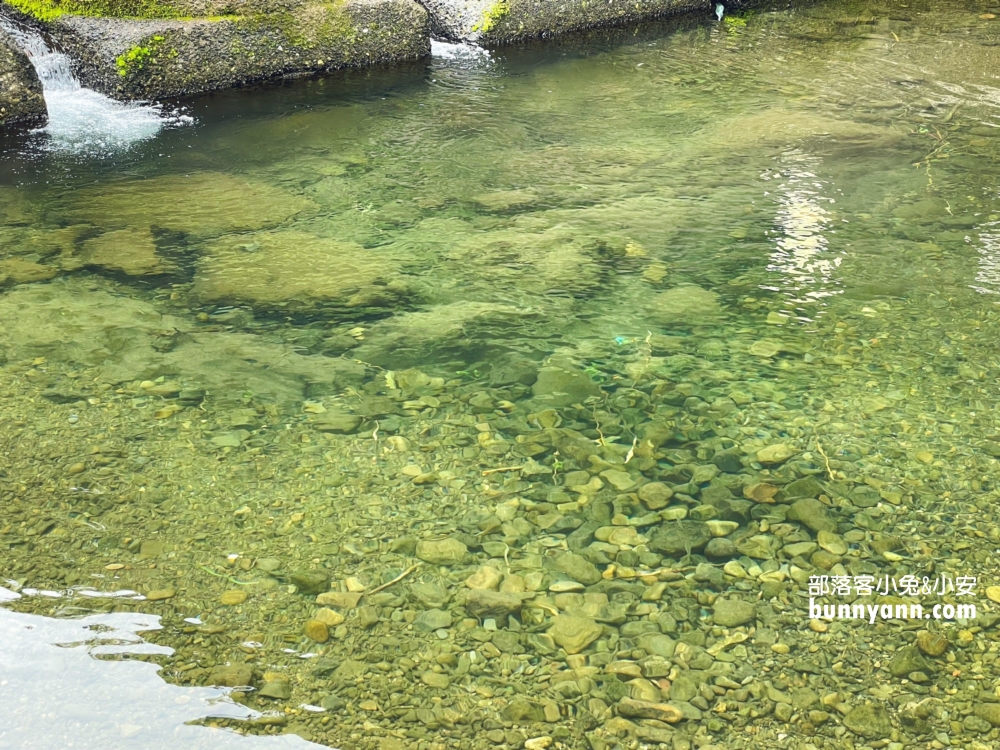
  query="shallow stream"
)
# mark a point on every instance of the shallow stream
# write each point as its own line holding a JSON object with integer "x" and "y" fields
{"x": 505, "y": 396}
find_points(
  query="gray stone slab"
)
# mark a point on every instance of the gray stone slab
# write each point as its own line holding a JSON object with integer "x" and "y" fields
{"x": 494, "y": 23}
{"x": 152, "y": 58}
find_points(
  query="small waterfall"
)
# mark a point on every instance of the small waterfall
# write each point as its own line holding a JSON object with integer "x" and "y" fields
{"x": 80, "y": 119}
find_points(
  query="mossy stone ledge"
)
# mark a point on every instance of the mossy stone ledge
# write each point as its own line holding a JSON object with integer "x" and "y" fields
{"x": 495, "y": 23}
{"x": 145, "y": 49}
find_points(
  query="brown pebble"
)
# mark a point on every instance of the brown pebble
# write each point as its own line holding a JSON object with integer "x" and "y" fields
{"x": 344, "y": 600}
{"x": 329, "y": 617}
{"x": 234, "y": 597}
{"x": 159, "y": 594}
{"x": 317, "y": 631}
{"x": 932, "y": 644}
{"x": 77, "y": 468}
{"x": 637, "y": 709}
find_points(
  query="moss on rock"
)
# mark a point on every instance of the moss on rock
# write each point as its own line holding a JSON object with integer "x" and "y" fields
{"x": 291, "y": 270}
{"x": 200, "y": 205}
{"x": 50, "y": 10}
{"x": 135, "y": 58}
{"x": 492, "y": 16}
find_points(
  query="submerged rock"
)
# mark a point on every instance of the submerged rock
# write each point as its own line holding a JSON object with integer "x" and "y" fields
{"x": 553, "y": 261}
{"x": 560, "y": 383}
{"x": 411, "y": 338}
{"x": 288, "y": 270}
{"x": 128, "y": 251}
{"x": 679, "y": 538}
{"x": 442, "y": 552}
{"x": 730, "y": 613}
{"x": 685, "y": 305}
{"x": 205, "y": 204}
{"x": 120, "y": 335}
{"x": 574, "y": 634}
{"x": 15, "y": 271}
{"x": 813, "y": 514}
{"x": 871, "y": 721}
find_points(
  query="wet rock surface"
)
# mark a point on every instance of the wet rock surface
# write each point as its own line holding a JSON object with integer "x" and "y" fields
{"x": 194, "y": 49}
{"x": 492, "y": 24}
{"x": 21, "y": 101}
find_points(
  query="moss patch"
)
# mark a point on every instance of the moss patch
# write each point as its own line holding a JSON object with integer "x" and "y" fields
{"x": 135, "y": 58}
{"x": 734, "y": 24}
{"x": 493, "y": 15}
{"x": 50, "y": 10}
{"x": 313, "y": 24}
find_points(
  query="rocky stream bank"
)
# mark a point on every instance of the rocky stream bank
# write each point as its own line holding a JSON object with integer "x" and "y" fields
{"x": 135, "y": 50}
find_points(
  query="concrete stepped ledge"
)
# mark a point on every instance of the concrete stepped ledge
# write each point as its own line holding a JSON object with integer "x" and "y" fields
{"x": 494, "y": 23}
{"x": 213, "y": 48}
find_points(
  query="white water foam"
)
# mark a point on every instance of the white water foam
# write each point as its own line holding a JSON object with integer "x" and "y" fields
{"x": 449, "y": 51}
{"x": 80, "y": 119}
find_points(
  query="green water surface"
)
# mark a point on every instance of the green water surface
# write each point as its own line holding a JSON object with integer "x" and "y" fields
{"x": 486, "y": 299}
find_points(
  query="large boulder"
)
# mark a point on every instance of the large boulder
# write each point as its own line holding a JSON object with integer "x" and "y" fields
{"x": 126, "y": 340}
{"x": 442, "y": 332}
{"x": 21, "y": 101}
{"x": 197, "y": 205}
{"x": 289, "y": 270}
{"x": 687, "y": 304}
{"x": 560, "y": 383}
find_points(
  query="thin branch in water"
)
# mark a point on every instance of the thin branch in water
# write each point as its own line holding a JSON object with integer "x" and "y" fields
{"x": 397, "y": 579}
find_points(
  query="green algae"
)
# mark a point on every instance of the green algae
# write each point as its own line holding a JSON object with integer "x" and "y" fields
{"x": 734, "y": 23}
{"x": 492, "y": 16}
{"x": 135, "y": 58}
{"x": 312, "y": 26}
{"x": 50, "y": 10}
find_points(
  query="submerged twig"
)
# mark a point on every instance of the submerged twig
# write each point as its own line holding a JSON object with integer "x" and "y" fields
{"x": 826, "y": 460}
{"x": 228, "y": 578}
{"x": 397, "y": 579}
{"x": 631, "y": 451}
{"x": 487, "y": 472}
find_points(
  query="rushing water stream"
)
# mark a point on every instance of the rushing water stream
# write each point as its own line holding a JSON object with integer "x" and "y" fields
{"x": 82, "y": 121}
{"x": 511, "y": 396}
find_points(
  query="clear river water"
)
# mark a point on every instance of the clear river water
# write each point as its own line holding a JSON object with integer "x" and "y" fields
{"x": 524, "y": 398}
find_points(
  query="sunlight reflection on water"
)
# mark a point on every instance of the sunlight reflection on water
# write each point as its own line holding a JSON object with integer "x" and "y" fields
{"x": 57, "y": 692}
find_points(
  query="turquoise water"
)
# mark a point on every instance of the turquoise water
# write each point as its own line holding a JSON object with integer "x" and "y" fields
{"x": 489, "y": 298}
